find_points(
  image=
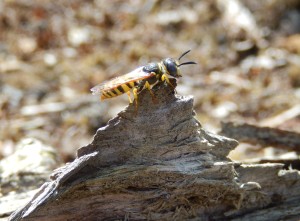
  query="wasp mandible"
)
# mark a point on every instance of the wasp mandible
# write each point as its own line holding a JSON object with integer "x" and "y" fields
{"x": 144, "y": 77}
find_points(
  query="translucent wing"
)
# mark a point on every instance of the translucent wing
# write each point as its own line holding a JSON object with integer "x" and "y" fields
{"x": 135, "y": 75}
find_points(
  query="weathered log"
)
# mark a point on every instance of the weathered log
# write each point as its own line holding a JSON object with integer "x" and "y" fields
{"x": 159, "y": 164}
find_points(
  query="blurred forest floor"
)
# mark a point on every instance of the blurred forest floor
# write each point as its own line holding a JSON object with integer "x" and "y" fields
{"x": 53, "y": 52}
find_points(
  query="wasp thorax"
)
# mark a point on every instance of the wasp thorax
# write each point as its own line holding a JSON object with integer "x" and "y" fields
{"x": 172, "y": 67}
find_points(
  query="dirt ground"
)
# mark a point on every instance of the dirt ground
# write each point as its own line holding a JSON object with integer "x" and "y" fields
{"x": 53, "y": 52}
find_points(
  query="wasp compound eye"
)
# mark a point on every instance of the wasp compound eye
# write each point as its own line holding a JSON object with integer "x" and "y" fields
{"x": 171, "y": 67}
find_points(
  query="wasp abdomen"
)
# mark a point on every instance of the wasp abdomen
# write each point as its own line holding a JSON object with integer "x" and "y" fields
{"x": 121, "y": 89}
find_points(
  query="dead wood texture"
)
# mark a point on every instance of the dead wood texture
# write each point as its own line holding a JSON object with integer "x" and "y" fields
{"x": 160, "y": 164}
{"x": 262, "y": 135}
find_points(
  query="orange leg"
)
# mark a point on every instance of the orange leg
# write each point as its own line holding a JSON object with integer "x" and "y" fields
{"x": 148, "y": 87}
{"x": 135, "y": 95}
{"x": 128, "y": 93}
{"x": 165, "y": 78}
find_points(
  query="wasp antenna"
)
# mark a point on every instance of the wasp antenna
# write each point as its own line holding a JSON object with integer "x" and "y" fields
{"x": 183, "y": 54}
{"x": 185, "y": 63}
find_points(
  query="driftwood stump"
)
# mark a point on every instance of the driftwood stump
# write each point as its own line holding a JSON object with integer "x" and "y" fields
{"x": 160, "y": 164}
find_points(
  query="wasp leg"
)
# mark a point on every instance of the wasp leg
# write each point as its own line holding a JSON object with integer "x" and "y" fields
{"x": 165, "y": 78}
{"x": 135, "y": 95}
{"x": 148, "y": 87}
{"x": 128, "y": 93}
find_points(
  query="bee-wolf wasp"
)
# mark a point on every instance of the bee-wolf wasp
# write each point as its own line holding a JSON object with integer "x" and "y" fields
{"x": 144, "y": 77}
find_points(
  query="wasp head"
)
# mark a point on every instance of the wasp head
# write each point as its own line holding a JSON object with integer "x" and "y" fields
{"x": 173, "y": 65}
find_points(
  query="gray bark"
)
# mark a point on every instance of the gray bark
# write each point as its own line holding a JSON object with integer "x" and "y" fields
{"x": 160, "y": 164}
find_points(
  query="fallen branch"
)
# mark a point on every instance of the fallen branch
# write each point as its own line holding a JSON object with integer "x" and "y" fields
{"x": 262, "y": 135}
{"x": 282, "y": 117}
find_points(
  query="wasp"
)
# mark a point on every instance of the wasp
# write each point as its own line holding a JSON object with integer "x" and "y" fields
{"x": 144, "y": 77}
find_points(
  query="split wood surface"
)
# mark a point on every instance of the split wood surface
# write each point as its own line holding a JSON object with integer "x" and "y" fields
{"x": 160, "y": 164}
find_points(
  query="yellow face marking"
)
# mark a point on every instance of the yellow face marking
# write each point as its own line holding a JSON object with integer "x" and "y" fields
{"x": 162, "y": 68}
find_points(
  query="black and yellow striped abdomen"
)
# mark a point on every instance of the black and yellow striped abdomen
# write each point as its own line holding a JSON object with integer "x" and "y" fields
{"x": 119, "y": 90}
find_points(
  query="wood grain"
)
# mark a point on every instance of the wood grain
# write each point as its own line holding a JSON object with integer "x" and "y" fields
{"x": 160, "y": 164}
